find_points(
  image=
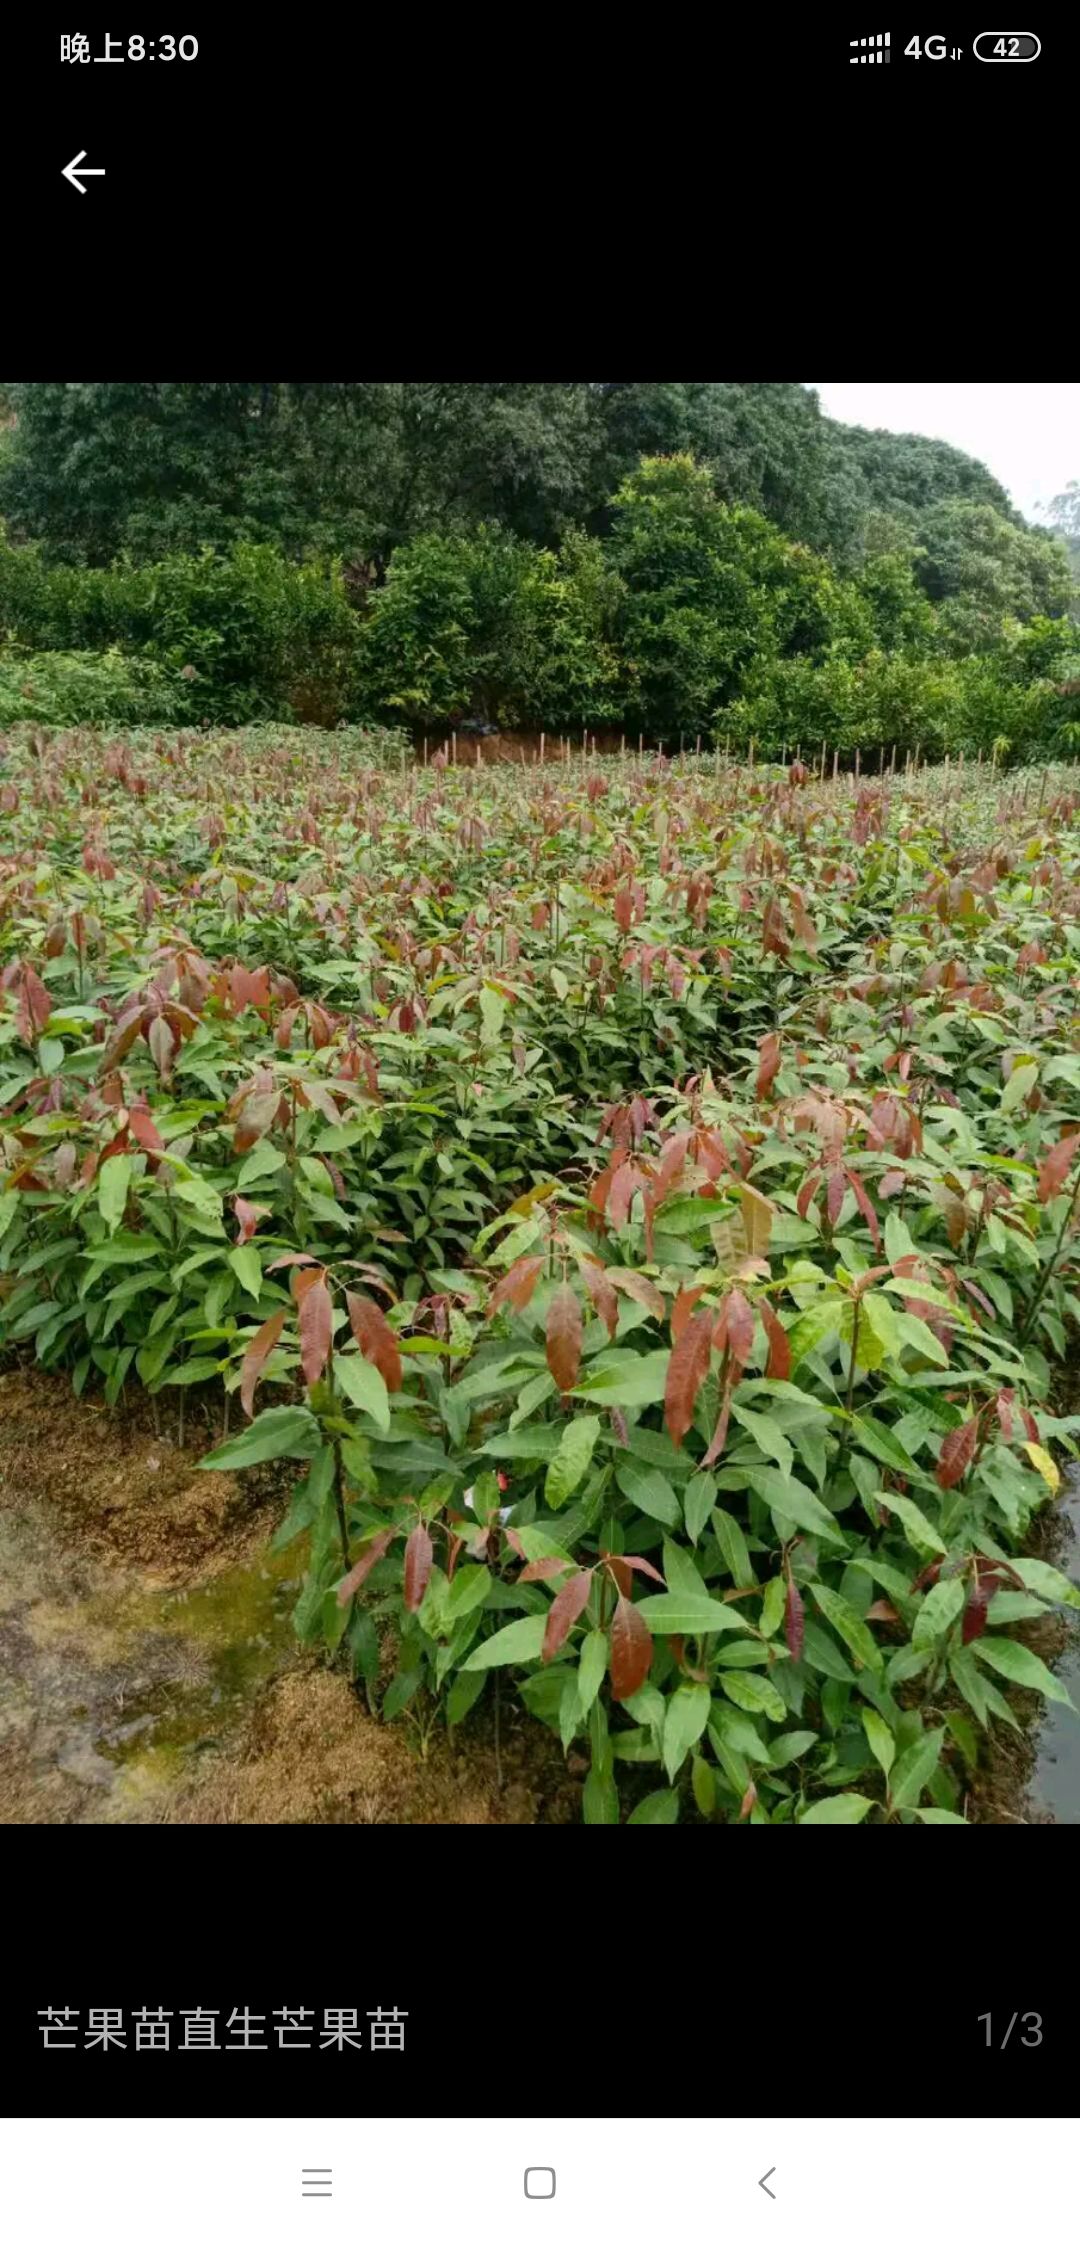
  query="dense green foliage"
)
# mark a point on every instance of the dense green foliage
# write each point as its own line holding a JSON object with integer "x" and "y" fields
{"x": 642, "y": 1198}
{"x": 673, "y": 559}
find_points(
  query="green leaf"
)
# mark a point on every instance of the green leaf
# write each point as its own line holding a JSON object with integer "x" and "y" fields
{"x": 591, "y": 1669}
{"x": 818, "y": 1324}
{"x": 914, "y": 1770}
{"x": 466, "y": 1689}
{"x": 767, "y": 1435}
{"x": 650, "y": 1491}
{"x": 677, "y": 1612}
{"x": 600, "y": 1800}
{"x": 661, "y": 1809}
{"x": 259, "y": 1164}
{"x": 641, "y": 1383}
{"x": 245, "y": 1263}
{"x": 786, "y": 1495}
{"x": 516, "y": 1643}
{"x": 837, "y": 1810}
{"x": 1021, "y": 1666}
{"x": 733, "y": 1546}
{"x": 469, "y": 1588}
{"x": 193, "y": 1370}
{"x": 576, "y": 1446}
{"x": 882, "y": 1445}
{"x": 772, "y": 1606}
{"x": 1020, "y": 1084}
{"x": 1049, "y": 1583}
{"x": 880, "y": 1738}
{"x": 283, "y": 1431}
{"x": 749, "y": 1692}
{"x": 698, "y": 1500}
{"x": 363, "y": 1386}
{"x": 200, "y": 1196}
{"x": 822, "y": 1653}
{"x": 113, "y": 1182}
{"x": 938, "y": 1612}
{"x": 921, "y": 1532}
{"x": 685, "y": 1718}
{"x": 849, "y": 1626}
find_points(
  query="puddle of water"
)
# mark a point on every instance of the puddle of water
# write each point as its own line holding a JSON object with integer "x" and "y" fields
{"x": 1055, "y": 1781}
{"x": 113, "y": 1687}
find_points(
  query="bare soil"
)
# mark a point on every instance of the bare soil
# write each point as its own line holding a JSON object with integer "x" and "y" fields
{"x": 148, "y": 1669}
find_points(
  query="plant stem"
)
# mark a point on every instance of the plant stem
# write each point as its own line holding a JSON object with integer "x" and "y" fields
{"x": 1053, "y": 1264}
{"x": 854, "y": 1348}
{"x": 498, "y": 1756}
{"x": 339, "y": 1502}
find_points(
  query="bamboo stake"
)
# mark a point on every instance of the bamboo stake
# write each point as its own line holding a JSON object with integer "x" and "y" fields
{"x": 541, "y": 749}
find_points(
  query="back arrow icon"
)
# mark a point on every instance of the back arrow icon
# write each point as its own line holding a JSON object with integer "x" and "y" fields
{"x": 765, "y": 2188}
{"x": 91, "y": 172}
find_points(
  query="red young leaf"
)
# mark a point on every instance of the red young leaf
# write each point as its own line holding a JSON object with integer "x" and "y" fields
{"x": 419, "y": 1555}
{"x": 881, "y": 1612}
{"x": 745, "y": 1808}
{"x": 1055, "y": 1167}
{"x": 564, "y": 1337}
{"x": 778, "y": 1368}
{"x": 865, "y": 1205}
{"x": 247, "y": 1215}
{"x": 687, "y": 1368}
{"x": 631, "y": 1561}
{"x": 37, "y": 1001}
{"x": 516, "y": 1285}
{"x": 621, "y": 1572}
{"x": 794, "y": 1620}
{"x": 635, "y": 1284}
{"x": 144, "y": 1130}
{"x": 682, "y": 1308}
{"x": 376, "y": 1337}
{"x": 768, "y": 1062}
{"x": 316, "y": 1326}
{"x": 550, "y": 1565}
{"x": 738, "y": 1326}
{"x": 719, "y": 1434}
{"x": 627, "y": 1182}
{"x": 256, "y": 1355}
{"x": 564, "y": 1612}
{"x": 978, "y": 1602}
{"x": 631, "y": 1650}
{"x": 602, "y": 1293}
{"x": 957, "y": 1453}
{"x": 362, "y": 1568}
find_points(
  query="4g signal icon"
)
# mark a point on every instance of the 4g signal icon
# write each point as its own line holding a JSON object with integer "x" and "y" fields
{"x": 875, "y": 47}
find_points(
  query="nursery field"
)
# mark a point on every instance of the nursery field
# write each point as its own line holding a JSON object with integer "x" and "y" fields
{"x": 618, "y": 1215}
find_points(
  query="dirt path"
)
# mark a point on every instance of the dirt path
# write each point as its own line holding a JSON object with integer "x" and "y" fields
{"x": 148, "y": 1670}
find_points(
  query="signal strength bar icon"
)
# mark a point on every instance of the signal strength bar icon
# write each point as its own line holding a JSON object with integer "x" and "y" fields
{"x": 874, "y": 48}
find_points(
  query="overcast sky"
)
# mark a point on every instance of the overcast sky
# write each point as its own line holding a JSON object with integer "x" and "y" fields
{"x": 1028, "y": 433}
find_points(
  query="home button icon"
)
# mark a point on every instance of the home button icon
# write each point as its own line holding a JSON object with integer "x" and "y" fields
{"x": 540, "y": 2185}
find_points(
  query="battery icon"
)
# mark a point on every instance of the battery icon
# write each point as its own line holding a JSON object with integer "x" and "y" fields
{"x": 1007, "y": 46}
